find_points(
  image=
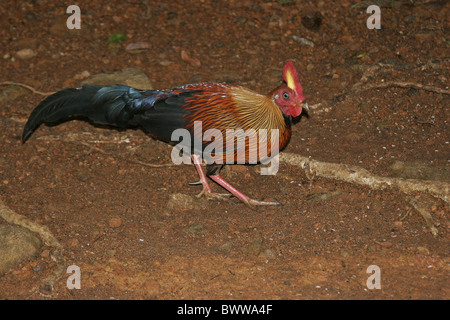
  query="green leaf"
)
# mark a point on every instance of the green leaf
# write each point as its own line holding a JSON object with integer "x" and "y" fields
{"x": 117, "y": 37}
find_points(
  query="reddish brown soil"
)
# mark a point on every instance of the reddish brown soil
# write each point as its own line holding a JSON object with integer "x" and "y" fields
{"x": 115, "y": 219}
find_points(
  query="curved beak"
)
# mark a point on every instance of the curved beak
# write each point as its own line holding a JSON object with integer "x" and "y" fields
{"x": 303, "y": 105}
{"x": 305, "y": 108}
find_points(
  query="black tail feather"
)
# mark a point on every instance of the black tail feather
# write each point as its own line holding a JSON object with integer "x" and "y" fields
{"x": 104, "y": 105}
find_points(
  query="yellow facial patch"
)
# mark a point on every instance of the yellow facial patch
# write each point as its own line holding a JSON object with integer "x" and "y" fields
{"x": 290, "y": 80}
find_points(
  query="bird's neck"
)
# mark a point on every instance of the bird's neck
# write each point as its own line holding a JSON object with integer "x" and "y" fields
{"x": 259, "y": 110}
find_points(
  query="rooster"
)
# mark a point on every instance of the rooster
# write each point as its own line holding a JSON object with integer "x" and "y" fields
{"x": 160, "y": 112}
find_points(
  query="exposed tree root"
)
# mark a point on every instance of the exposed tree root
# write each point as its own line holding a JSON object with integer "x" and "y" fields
{"x": 402, "y": 84}
{"x": 46, "y": 235}
{"x": 360, "y": 176}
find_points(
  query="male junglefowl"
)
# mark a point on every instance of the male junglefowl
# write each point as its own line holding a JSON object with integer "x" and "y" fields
{"x": 161, "y": 112}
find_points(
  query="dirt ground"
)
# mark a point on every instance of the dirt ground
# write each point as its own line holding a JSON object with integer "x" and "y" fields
{"x": 138, "y": 232}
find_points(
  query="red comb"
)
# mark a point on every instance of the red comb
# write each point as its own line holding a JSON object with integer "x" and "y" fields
{"x": 290, "y": 76}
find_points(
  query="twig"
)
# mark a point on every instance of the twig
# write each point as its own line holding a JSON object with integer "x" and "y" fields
{"x": 425, "y": 213}
{"x": 75, "y": 138}
{"x": 124, "y": 159}
{"x": 27, "y": 87}
{"x": 407, "y": 213}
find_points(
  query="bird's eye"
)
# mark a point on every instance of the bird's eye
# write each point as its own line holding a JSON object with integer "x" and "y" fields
{"x": 285, "y": 96}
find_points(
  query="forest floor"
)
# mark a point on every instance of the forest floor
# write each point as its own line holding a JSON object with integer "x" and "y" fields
{"x": 138, "y": 232}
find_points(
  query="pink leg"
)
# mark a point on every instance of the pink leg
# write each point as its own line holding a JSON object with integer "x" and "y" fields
{"x": 219, "y": 180}
{"x": 246, "y": 199}
{"x": 204, "y": 181}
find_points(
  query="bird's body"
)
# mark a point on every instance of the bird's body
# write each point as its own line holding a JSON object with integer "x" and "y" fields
{"x": 220, "y": 107}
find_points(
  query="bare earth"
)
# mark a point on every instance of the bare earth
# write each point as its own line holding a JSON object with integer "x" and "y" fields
{"x": 139, "y": 232}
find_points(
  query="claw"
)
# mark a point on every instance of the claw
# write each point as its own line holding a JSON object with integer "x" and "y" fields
{"x": 253, "y": 202}
{"x": 215, "y": 196}
{"x": 195, "y": 183}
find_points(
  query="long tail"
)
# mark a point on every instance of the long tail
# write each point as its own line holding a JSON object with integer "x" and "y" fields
{"x": 106, "y": 105}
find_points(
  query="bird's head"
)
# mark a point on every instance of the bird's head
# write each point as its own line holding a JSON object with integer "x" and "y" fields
{"x": 289, "y": 97}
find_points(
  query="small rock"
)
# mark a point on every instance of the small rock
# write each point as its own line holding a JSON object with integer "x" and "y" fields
{"x": 303, "y": 41}
{"x": 11, "y": 93}
{"x": 37, "y": 268}
{"x": 115, "y": 222}
{"x": 268, "y": 253}
{"x": 225, "y": 249}
{"x": 17, "y": 244}
{"x": 165, "y": 63}
{"x": 83, "y": 75}
{"x": 312, "y": 20}
{"x": 423, "y": 250}
{"x": 324, "y": 196}
{"x": 195, "y": 229}
{"x": 398, "y": 224}
{"x": 25, "y": 54}
{"x": 385, "y": 244}
{"x": 257, "y": 246}
{"x": 131, "y": 77}
{"x": 180, "y": 202}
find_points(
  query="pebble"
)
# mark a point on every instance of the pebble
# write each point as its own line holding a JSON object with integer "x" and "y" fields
{"x": 25, "y": 54}
{"x": 115, "y": 222}
{"x": 181, "y": 202}
{"x": 303, "y": 41}
{"x": 17, "y": 244}
{"x": 312, "y": 20}
{"x": 398, "y": 224}
{"x": 423, "y": 250}
{"x": 83, "y": 75}
{"x": 195, "y": 229}
{"x": 131, "y": 77}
